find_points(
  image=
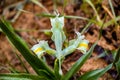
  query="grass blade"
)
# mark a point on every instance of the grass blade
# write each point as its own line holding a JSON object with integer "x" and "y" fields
{"x": 95, "y": 74}
{"x": 39, "y": 4}
{"x": 22, "y": 47}
{"x": 20, "y": 77}
{"x": 66, "y": 16}
{"x": 56, "y": 69}
{"x": 22, "y": 63}
{"x": 78, "y": 64}
{"x": 46, "y": 75}
{"x": 118, "y": 66}
{"x": 112, "y": 8}
{"x": 110, "y": 22}
{"x": 116, "y": 62}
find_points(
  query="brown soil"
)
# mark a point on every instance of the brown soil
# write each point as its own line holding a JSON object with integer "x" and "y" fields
{"x": 28, "y": 21}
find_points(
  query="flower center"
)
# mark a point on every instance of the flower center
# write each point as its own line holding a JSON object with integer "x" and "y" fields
{"x": 38, "y": 50}
{"x": 83, "y": 45}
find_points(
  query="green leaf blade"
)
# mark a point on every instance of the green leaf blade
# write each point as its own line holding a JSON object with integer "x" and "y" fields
{"x": 95, "y": 74}
{"x": 78, "y": 64}
{"x": 20, "y": 77}
{"x": 22, "y": 47}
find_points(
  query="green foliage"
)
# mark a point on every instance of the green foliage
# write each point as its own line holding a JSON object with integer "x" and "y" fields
{"x": 20, "y": 77}
{"x": 98, "y": 21}
{"x": 78, "y": 64}
{"x": 44, "y": 72}
{"x": 117, "y": 64}
{"x": 39, "y": 4}
{"x": 20, "y": 44}
{"x": 116, "y": 57}
{"x": 38, "y": 64}
{"x": 95, "y": 74}
{"x": 56, "y": 69}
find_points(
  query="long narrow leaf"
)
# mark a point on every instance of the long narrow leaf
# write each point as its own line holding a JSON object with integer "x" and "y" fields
{"x": 78, "y": 64}
{"x": 46, "y": 75}
{"x": 117, "y": 61}
{"x": 20, "y": 77}
{"x": 95, "y": 74}
{"x": 22, "y": 63}
{"x": 40, "y": 5}
{"x": 118, "y": 66}
{"x": 110, "y": 22}
{"x": 56, "y": 69}
{"x": 23, "y": 49}
{"x": 65, "y": 16}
